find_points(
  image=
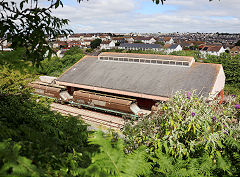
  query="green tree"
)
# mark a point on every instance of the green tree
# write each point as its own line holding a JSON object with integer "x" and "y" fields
{"x": 13, "y": 82}
{"x": 117, "y": 44}
{"x": 195, "y": 54}
{"x": 28, "y": 25}
{"x": 56, "y": 66}
{"x": 230, "y": 65}
{"x": 73, "y": 51}
{"x": 95, "y": 43}
{"x": 238, "y": 43}
{"x": 48, "y": 140}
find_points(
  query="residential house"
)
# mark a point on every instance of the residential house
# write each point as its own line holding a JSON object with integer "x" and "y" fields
{"x": 60, "y": 44}
{"x": 62, "y": 38}
{"x": 145, "y": 40}
{"x": 107, "y": 45}
{"x": 168, "y": 40}
{"x": 74, "y": 37}
{"x": 104, "y": 37}
{"x": 118, "y": 39}
{"x": 129, "y": 40}
{"x": 172, "y": 48}
{"x": 198, "y": 43}
{"x": 159, "y": 40}
{"x": 186, "y": 44}
{"x": 90, "y": 37}
{"x": 74, "y": 44}
{"x": 86, "y": 43}
{"x": 140, "y": 46}
{"x": 212, "y": 50}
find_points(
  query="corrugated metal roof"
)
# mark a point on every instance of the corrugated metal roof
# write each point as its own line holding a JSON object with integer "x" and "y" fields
{"x": 158, "y": 80}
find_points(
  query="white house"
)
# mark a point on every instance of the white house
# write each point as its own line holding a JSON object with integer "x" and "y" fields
{"x": 140, "y": 46}
{"x": 89, "y": 37}
{"x": 168, "y": 40}
{"x": 149, "y": 40}
{"x": 145, "y": 40}
{"x": 129, "y": 39}
{"x": 62, "y": 38}
{"x": 74, "y": 37}
{"x": 172, "y": 48}
{"x": 86, "y": 43}
{"x": 57, "y": 44}
{"x": 107, "y": 45}
{"x": 104, "y": 37}
{"x": 118, "y": 39}
{"x": 212, "y": 50}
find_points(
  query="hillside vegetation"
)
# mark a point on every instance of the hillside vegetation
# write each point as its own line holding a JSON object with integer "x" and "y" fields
{"x": 186, "y": 136}
{"x": 55, "y": 66}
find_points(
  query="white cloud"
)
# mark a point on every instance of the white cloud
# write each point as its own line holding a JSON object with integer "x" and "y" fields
{"x": 126, "y": 16}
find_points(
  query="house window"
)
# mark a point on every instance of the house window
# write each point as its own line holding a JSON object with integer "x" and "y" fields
{"x": 136, "y": 60}
{"x": 116, "y": 59}
{"x": 142, "y": 60}
{"x": 131, "y": 60}
{"x": 178, "y": 63}
{"x": 120, "y": 59}
{"x": 125, "y": 59}
{"x": 110, "y": 58}
{"x": 185, "y": 63}
{"x": 147, "y": 61}
{"x": 172, "y": 62}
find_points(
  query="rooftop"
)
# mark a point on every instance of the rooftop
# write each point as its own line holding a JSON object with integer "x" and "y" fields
{"x": 149, "y": 79}
{"x": 141, "y": 45}
{"x": 149, "y": 56}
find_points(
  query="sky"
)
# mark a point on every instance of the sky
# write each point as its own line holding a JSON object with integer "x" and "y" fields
{"x": 125, "y": 16}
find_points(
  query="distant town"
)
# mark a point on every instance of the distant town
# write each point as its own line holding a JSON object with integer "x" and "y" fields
{"x": 206, "y": 43}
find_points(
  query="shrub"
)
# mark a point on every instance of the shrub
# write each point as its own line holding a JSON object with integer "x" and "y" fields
{"x": 112, "y": 161}
{"x": 49, "y": 141}
{"x": 56, "y": 66}
{"x": 12, "y": 164}
{"x": 230, "y": 65}
{"x": 186, "y": 127}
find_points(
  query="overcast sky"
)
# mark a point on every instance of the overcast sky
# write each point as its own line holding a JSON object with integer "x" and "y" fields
{"x": 145, "y": 16}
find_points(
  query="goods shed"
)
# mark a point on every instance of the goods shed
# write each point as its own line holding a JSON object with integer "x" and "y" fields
{"x": 147, "y": 78}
